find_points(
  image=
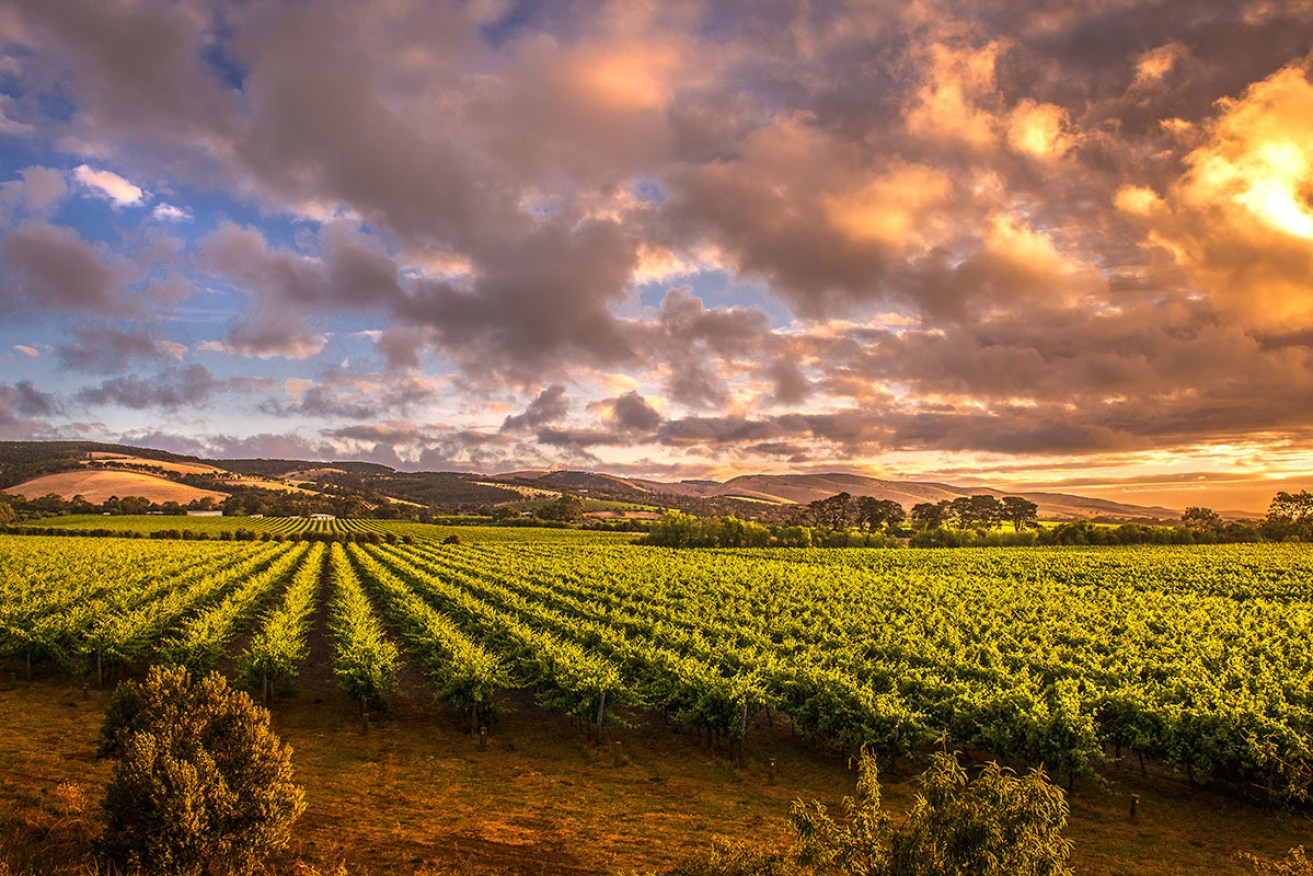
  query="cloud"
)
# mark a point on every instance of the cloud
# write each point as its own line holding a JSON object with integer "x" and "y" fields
{"x": 632, "y": 413}
{"x": 287, "y": 290}
{"x": 171, "y": 389}
{"x": 22, "y": 407}
{"x": 50, "y": 267}
{"x": 1239, "y": 221}
{"x": 895, "y": 228}
{"x": 109, "y": 349}
{"x": 110, "y": 185}
{"x": 549, "y": 405}
{"x": 354, "y": 397}
{"x": 35, "y": 194}
{"x": 170, "y": 213}
{"x": 28, "y": 350}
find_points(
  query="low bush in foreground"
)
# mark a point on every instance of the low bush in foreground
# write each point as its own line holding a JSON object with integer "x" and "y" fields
{"x": 200, "y": 782}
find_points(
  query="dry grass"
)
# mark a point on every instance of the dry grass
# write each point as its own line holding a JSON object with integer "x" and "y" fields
{"x": 418, "y": 795}
{"x": 120, "y": 459}
{"x": 98, "y": 485}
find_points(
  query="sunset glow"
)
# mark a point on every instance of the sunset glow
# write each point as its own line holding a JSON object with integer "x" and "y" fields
{"x": 1067, "y": 251}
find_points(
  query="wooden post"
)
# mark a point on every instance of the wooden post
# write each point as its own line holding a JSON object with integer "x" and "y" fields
{"x": 483, "y": 739}
{"x": 770, "y": 773}
{"x": 1135, "y": 808}
{"x": 100, "y": 668}
{"x": 601, "y": 713}
{"x": 364, "y": 718}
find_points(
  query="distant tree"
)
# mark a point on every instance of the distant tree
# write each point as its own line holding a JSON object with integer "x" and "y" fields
{"x": 1019, "y": 512}
{"x": 1295, "y": 507}
{"x": 997, "y": 825}
{"x": 504, "y": 512}
{"x": 134, "y": 505}
{"x": 875, "y": 513}
{"x": 568, "y": 507}
{"x": 930, "y": 515}
{"x": 7, "y": 513}
{"x": 79, "y": 505}
{"x": 1290, "y": 516}
{"x": 835, "y": 512}
{"x": 971, "y": 512}
{"x": 1198, "y": 517}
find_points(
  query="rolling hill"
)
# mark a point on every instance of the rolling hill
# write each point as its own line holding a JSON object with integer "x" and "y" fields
{"x": 37, "y": 468}
{"x": 803, "y": 488}
{"x": 98, "y": 485}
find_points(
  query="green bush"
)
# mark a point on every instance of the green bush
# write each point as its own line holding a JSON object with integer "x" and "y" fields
{"x": 997, "y": 825}
{"x": 727, "y": 858}
{"x": 200, "y": 781}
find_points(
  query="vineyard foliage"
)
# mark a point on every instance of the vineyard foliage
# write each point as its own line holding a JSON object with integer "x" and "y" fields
{"x": 1197, "y": 657}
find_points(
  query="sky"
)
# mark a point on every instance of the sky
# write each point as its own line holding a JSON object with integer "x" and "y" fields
{"x": 1033, "y": 244}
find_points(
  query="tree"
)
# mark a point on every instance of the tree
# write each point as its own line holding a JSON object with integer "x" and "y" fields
{"x": 998, "y": 825}
{"x": 7, "y": 515}
{"x": 568, "y": 507}
{"x": 875, "y": 513}
{"x": 134, "y": 505}
{"x": 930, "y": 515}
{"x": 976, "y": 511}
{"x": 200, "y": 778}
{"x": 1295, "y": 507}
{"x": 1198, "y": 517}
{"x": 1290, "y": 516}
{"x": 836, "y": 512}
{"x": 1020, "y": 512}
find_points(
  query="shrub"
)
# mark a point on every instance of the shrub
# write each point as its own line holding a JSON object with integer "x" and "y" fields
{"x": 727, "y": 858}
{"x": 1297, "y": 863}
{"x": 997, "y": 825}
{"x": 200, "y": 781}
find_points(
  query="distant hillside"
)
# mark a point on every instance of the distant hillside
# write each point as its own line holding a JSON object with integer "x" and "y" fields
{"x": 803, "y": 488}
{"x": 23, "y": 462}
{"x": 286, "y": 468}
{"x": 97, "y": 485}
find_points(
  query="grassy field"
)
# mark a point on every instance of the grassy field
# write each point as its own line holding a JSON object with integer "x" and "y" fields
{"x": 97, "y": 485}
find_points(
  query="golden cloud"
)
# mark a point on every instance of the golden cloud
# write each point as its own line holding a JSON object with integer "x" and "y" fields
{"x": 1240, "y": 220}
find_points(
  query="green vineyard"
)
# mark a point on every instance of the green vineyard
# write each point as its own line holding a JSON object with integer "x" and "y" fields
{"x": 1197, "y": 658}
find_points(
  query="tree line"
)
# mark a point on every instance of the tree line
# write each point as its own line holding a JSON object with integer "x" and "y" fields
{"x": 844, "y": 520}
